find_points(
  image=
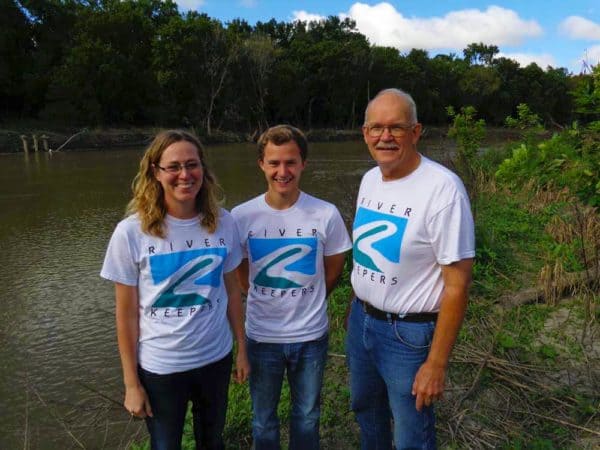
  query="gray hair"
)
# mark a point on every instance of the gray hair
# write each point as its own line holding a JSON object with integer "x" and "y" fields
{"x": 412, "y": 107}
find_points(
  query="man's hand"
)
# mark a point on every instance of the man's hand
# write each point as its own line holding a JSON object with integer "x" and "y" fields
{"x": 429, "y": 384}
{"x": 431, "y": 376}
{"x": 242, "y": 367}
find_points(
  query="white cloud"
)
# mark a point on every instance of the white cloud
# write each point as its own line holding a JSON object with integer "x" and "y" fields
{"x": 304, "y": 16}
{"x": 524, "y": 59}
{"x": 577, "y": 27}
{"x": 189, "y": 5}
{"x": 386, "y": 26}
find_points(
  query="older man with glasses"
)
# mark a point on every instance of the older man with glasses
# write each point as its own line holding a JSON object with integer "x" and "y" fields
{"x": 413, "y": 252}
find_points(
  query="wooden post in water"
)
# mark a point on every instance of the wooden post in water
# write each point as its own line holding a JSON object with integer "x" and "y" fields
{"x": 25, "y": 146}
{"x": 44, "y": 139}
{"x": 35, "y": 143}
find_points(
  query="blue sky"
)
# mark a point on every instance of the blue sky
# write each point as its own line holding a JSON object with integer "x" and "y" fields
{"x": 560, "y": 33}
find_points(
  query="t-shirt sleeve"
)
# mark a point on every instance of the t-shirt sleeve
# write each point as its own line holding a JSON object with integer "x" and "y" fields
{"x": 452, "y": 231}
{"x": 243, "y": 242}
{"x": 234, "y": 255}
{"x": 120, "y": 263}
{"x": 338, "y": 240}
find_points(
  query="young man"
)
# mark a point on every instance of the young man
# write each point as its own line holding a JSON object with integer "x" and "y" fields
{"x": 413, "y": 253}
{"x": 294, "y": 247}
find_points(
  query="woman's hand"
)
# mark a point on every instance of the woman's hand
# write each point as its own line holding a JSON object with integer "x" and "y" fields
{"x": 136, "y": 402}
{"x": 127, "y": 316}
{"x": 235, "y": 314}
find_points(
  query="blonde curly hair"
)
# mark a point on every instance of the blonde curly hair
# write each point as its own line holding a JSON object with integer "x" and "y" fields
{"x": 148, "y": 197}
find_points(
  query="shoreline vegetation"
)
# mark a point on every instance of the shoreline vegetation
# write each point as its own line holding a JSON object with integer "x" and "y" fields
{"x": 89, "y": 138}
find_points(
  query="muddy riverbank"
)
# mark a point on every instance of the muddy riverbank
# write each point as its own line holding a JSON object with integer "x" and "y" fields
{"x": 79, "y": 139}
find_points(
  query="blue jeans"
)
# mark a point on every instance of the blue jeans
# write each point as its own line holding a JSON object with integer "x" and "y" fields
{"x": 384, "y": 357}
{"x": 169, "y": 394}
{"x": 305, "y": 364}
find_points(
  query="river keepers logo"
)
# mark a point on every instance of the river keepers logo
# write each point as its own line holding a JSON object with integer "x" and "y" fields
{"x": 377, "y": 238}
{"x": 284, "y": 263}
{"x": 195, "y": 272}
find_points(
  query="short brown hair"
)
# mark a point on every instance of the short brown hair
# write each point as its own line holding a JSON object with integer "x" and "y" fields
{"x": 281, "y": 134}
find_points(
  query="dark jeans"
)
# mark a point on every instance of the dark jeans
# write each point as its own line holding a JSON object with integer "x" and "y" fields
{"x": 169, "y": 394}
{"x": 304, "y": 363}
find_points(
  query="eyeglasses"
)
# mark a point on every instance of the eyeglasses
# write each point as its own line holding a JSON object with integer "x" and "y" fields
{"x": 397, "y": 130}
{"x": 175, "y": 168}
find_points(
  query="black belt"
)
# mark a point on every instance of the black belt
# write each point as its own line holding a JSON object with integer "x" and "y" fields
{"x": 383, "y": 315}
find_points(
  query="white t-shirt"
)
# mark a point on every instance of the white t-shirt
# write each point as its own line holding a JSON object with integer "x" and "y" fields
{"x": 285, "y": 250}
{"x": 182, "y": 295}
{"x": 403, "y": 231}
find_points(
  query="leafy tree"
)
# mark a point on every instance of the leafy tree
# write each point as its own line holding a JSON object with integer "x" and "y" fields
{"x": 323, "y": 72}
{"x": 16, "y": 47}
{"x": 282, "y": 33}
{"x": 558, "y": 102}
{"x": 469, "y": 133}
{"x": 480, "y": 53}
{"x": 508, "y": 95}
{"x": 586, "y": 95}
{"x": 445, "y": 73}
{"x": 192, "y": 58}
{"x": 113, "y": 61}
{"x": 259, "y": 53}
{"x": 525, "y": 120}
{"x": 52, "y": 27}
{"x": 385, "y": 63}
{"x": 531, "y": 84}
{"x": 342, "y": 73}
{"x": 479, "y": 87}
{"x": 107, "y": 74}
{"x": 416, "y": 79}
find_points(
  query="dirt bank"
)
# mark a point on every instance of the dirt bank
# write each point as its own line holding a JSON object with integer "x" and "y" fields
{"x": 80, "y": 139}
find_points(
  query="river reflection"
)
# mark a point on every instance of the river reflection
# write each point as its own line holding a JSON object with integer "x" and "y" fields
{"x": 60, "y": 377}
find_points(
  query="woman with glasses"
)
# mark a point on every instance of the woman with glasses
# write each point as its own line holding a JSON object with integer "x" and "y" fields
{"x": 173, "y": 261}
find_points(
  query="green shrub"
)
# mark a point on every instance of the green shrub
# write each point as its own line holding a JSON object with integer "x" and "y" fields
{"x": 570, "y": 159}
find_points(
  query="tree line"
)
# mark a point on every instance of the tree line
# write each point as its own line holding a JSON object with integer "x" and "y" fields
{"x": 117, "y": 62}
